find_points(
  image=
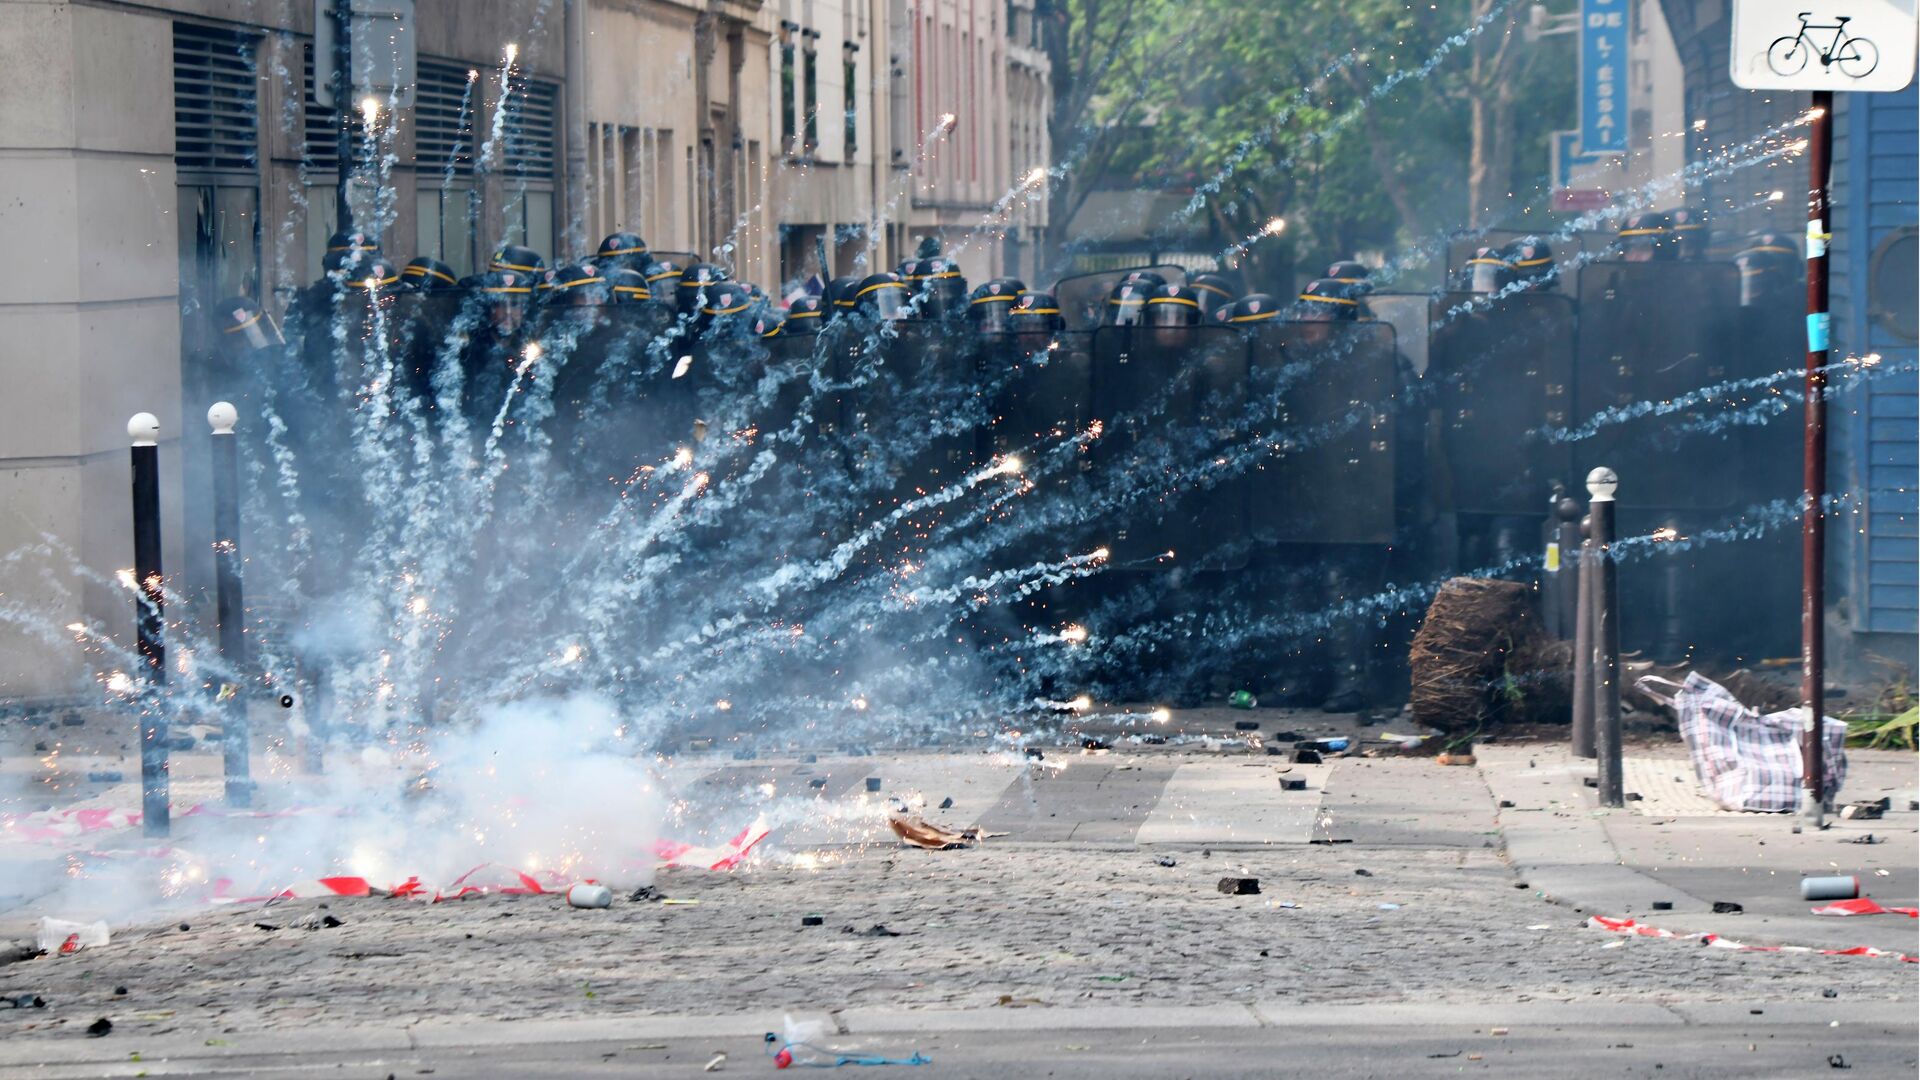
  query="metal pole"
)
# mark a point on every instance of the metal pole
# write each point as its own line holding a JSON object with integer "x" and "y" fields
{"x": 229, "y": 605}
{"x": 342, "y": 91}
{"x": 1813, "y": 536}
{"x": 1583, "y": 648}
{"x": 1601, "y": 483}
{"x": 150, "y": 623}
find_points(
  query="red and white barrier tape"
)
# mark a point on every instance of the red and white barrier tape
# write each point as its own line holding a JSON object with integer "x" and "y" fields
{"x": 1628, "y": 926}
{"x": 1865, "y": 906}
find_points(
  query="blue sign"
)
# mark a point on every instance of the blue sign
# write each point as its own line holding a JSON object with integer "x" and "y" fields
{"x": 1603, "y": 71}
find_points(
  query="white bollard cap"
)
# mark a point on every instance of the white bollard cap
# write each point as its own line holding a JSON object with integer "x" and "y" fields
{"x": 223, "y": 416}
{"x": 144, "y": 429}
{"x": 1601, "y": 483}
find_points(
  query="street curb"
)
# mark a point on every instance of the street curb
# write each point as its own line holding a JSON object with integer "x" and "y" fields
{"x": 1523, "y": 1018}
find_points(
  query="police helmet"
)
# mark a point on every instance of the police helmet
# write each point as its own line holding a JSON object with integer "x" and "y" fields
{"x": 769, "y": 324}
{"x": 514, "y": 258}
{"x": 1173, "y": 305}
{"x": 377, "y": 276}
{"x": 695, "y": 281}
{"x": 628, "y": 285}
{"x": 1354, "y": 275}
{"x": 1531, "y": 260}
{"x": 622, "y": 249}
{"x": 988, "y": 305}
{"x": 505, "y": 295}
{"x": 579, "y": 285}
{"x": 1647, "y": 238}
{"x": 1251, "y": 308}
{"x": 1149, "y": 278}
{"x": 663, "y": 278}
{"x": 1328, "y": 300}
{"x": 1127, "y": 303}
{"x": 345, "y": 251}
{"x": 883, "y": 295}
{"x": 840, "y": 295}
{"x": 1769, "y": 266}
{"x": 1488, "y": 271}
{"x": 804, "y": 316}
{"x": 1689, "y": 226}
{"x": 429, "y": 275}
{"x": 243, "y": 325}
{"x": 1213, "y": 291}
{"x": 729, "y": 298}
{"x": 1035, "y": 313}
{"x": 941, "y": 288}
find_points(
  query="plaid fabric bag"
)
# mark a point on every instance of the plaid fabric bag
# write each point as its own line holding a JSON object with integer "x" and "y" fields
{"x": 1746, "y": 761}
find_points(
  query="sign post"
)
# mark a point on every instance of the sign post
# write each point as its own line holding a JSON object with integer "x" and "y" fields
{"x": 1847, "y": 45}
{"x": 370, "y": 51}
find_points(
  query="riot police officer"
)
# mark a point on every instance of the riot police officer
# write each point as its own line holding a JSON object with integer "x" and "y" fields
{"x": 1647, "y": 237}
{"x": 690, "y": 292}
{"x": 429, "y": 275}
{"x": 1353, "y": 274}
{"x": 939, "y": 289}
{"x": 989, "y": 305}
{"x": 882, "y": 296}
{"x": 1328, "y": 300}
{"x": 1127, "y": 303}
{"x": 1531, "y": 261}
{"x": 804, "y": 316}
{"x": 1251, "y": 308}
{"x": 840, "y": 296}
{"x": 1214, "y": 291}
{"x": 1690, "y": 234}
{"x": 663, "y": 279}
{"x": 1035, "y": 313}
{"x": 1769, "y": 270}
{"x": 1173, "y": 306}
{"x": 1487, "y": 271}
{"x": 622, "y": 250}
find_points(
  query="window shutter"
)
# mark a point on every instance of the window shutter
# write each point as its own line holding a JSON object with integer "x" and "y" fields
{"x": 215, "y": 100}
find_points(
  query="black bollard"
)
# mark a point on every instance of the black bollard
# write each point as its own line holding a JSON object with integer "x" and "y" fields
{"x": 229, "y": 605}
{"x": 1583, "y": 645}
{"x": 1601, "y": 484}
{"x": 149, "y": 613}
{"x": 1567, "y": 515}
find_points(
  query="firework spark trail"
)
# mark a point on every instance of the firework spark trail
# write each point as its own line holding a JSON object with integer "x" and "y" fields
{"x": 876, "y": 225}
{"x": 1851, "y": 371}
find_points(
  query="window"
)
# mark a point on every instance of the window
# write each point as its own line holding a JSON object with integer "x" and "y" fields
{"x": 528, "y": 164}
{"x": 811, "y": 76}
{"x": 320, "y": 129}
{"x": 789, "y": 106}
{"x": 215, "y": 101}
{"x": 444, "y": 200}
{"x": 851, "y": 89}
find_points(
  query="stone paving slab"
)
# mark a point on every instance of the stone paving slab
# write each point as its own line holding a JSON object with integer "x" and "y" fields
{"x": 1236, "y": 802}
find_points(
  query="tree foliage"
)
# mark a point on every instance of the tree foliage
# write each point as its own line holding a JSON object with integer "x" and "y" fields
{"x": 1363, "y": 123}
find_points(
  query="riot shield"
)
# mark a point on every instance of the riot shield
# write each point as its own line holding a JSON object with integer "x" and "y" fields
{"x": 1652, "y": 332}
{"x": 1328, "y": 455}
{"x": 1083, "y": 297}
{"x": 914, "y": 424}
{"x": 1499, "y": 380}
{"x": 1570, "y": 253}
{"x": 1411, "y": 316}
{"x": 1170, "y": 399}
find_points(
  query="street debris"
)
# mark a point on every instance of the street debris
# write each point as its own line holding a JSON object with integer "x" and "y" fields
{"x": 1866, "y": 810}
{"x": 1246, "y": 725}
{"x": 1239, "y": 886}
{"x": 817, "y": 783}
{"x": 1865, "y": 906}
{"x": 1744, "y": 760}
{"x": 1663, "y": 905}
{"x": 1837, "y": 1061}
{"x": 1477, "y": 634}
{"x": 1164, "y": 860}
{"x": 1243, "y": 699}
{"x": 66, "y": 938}
{"x": 946, "y": 803}
{"x": 1293, "y": 783}
{"x": 876, "y": 930}
{"x": 22, "y": 1001}
{"x": 99, "y": 1028}
{"x": 1453, "y": 757}
{"x": 782, "y": 1051}
{"x": 589, "y": 895}
{"x": 715, "y": 1064}
{"x": 917, "y": 831}
{"x": 646, "y": 894}
{"x": 1837, "y": 887}
{"x": 1629, "y": 926}
{"x": 1306, "y": 757}
{"x": 813, "y": 920}
{"x": 1389, "y": 907}
{"x": 1727, "y": 907}
{"x": 873, "y": 783}
{"x": 1864, "y": 838}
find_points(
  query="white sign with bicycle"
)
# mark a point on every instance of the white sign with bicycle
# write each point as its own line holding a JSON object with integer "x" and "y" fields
{"x": 1848, "y": 45}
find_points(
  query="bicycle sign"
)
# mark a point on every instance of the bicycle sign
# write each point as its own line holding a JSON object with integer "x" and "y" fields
{"x": 1847, "y": 45}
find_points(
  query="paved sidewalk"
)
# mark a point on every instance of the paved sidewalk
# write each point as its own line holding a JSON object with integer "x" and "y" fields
{"x": 1620, "y": 862}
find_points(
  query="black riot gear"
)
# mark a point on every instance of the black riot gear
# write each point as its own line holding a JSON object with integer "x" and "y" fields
{"x": 622, "y": 249}
{"x": 628, "y": 285}
{"x": 1689, "y": 228}
{"x": 1212, "y": 291}
{"x": 1173, "y": 305}
{"x": 1769, "y": 269}
{"x": 1647, "y": 238}
{"x": 517, "y": 259}
{"x": 883, "y": 295}
{"x": 804, "y": 316}
{"x": 1251, "y": 308}
{"x": 840, "y": 293}
{"x": 938, "y": 287}
{"x": 690, "y": 292}
{"x": 729, "y": 298}
{"x": 1488, "y": 271}
{"x": 1127, "y": 303}
{"x": 243, "y": 325}
{"x": 1531, "y": 261}
{"x": 579, "y": 285}
{"x": 988, "y": 306}
{"x": 347, "y": 251}
{"x": 663, "y": 280}
{"x": 504, "y": 297}
{"x": 1353, "y": 274}
{"x": 1035, "y": 313}
{"x": 1327, "y": 300}
{"x": 429, "y": 275}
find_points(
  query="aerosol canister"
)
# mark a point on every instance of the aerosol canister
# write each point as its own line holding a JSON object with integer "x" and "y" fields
{"x": 1843, "y": 887}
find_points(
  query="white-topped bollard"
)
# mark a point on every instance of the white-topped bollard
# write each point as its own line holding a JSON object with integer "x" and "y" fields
{"x": 149, "y": 613}
{"x": 1601, "y": 484}
{"x": 230, "y": 610}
